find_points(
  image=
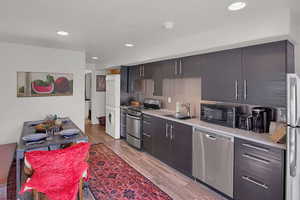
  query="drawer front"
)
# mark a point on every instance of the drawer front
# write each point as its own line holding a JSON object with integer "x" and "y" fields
{"x": 147, "y": 143}
{"x": 260, "y": 149}
{"x": 147, "y": 118}
{"x": 147, "y": 127}
{"x": 249, "y": 186}
{"x": 259, "y": 164}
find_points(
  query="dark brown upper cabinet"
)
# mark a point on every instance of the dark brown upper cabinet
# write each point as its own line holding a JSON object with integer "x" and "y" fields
{"x": 221, "y": 75}
{"x": 124, "y": 79}
{"x": 264, "y": 73}
{"x": 252, "y": 75}
{"x": 192, "y": 66}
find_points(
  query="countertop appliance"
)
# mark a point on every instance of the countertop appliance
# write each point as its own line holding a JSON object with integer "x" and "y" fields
{"x": 293, "y": 138}
{"x": 213, "y": 160}
{"x": 261, "y": 119}
{"x": 112, "y": 124}
{"x": 245, "y": 121}
{"x": 134, "y": 121}
{"x": 225, "y": 115}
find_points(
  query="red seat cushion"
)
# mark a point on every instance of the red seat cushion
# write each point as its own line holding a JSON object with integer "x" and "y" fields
{"x": 57, "y": 173}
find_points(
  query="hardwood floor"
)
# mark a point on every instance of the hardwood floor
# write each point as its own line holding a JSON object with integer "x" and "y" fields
{"x": 177, "y": 185}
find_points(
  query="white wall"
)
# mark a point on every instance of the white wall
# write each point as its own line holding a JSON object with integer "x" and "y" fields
{"x": 98, "y": 98}
{"x": 14, "y": 111}
{"x": 254, "y": 30}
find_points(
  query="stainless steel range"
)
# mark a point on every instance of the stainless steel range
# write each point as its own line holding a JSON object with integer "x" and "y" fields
{"x": 134, "y": 122}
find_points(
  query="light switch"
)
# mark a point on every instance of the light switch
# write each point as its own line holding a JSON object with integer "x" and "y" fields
{"x": 169, "y": 100}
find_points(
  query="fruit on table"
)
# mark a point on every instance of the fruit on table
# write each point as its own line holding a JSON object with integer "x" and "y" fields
{"x": 62, "y": 85}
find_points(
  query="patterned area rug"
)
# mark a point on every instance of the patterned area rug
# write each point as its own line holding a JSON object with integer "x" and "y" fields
{"x": 111, "y": 178}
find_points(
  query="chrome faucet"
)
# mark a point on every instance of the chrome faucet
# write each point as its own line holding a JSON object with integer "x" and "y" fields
{"x": 187, "y": 106}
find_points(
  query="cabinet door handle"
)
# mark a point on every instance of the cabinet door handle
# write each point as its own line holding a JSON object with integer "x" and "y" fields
{"x": 245, "y": 89}
{"x": 180, "y": 67}
{"x": 143, "y": 70}
{"x": 246, "y": 178}
{"x": 236, "y": 90}
{"x": 256, "y": 159}
{"x": 175, "y": 65}
{"x": 172, "y": 132}
{"x": 167, "y": 129}
{"x": 256, "y": 147}
{"x": 210, "y": 137}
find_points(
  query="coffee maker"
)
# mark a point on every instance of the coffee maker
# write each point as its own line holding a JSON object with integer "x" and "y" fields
{"x": 261, "y": 119}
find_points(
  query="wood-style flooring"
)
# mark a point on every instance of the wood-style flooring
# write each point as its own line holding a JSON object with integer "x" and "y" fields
{"x": 175, "y": 184}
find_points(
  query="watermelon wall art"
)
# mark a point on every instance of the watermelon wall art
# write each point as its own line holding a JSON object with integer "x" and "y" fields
{"x": 37, "y": 84}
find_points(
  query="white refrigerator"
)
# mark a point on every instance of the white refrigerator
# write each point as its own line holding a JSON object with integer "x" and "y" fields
{"x": 112, "y": 126}
{"x": 293, "y": 138}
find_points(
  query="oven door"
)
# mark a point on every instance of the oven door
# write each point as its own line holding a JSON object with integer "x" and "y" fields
{"x": 133, "y": 126}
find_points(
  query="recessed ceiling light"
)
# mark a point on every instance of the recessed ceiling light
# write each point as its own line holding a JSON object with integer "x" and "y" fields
{"x": 237, "y": 6}
{"x": 95, "y": 58}
{"x": 129, "y": 45}
{"x": 62, "y": 33}
{"x": 168, "y": 25}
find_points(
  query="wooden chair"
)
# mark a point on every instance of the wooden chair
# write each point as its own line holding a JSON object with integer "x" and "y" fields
{"x": 7, "y": 154}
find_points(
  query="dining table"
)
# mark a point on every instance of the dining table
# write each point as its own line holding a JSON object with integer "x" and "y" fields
{"x": 52, "y": 142}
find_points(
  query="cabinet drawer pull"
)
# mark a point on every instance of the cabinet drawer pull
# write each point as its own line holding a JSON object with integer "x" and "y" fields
{"x": 256, "y": 147}
{"x": 146, "y": 122}
{"x": 246, "y": 178}
{"x": 149, "y": 136}
{"x": 210, "y": 137}
{"x": 146, "y": 116}
{"x": 256, "y": 159}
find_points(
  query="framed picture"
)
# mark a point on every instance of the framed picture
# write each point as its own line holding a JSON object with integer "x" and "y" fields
{"x": 100, "y": 83}
{"x": 40, "y": 84}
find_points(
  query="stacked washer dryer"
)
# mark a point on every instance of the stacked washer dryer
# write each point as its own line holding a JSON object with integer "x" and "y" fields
{"x": 113, "y": 105}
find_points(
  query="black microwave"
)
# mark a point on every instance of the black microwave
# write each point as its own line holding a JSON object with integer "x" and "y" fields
{"x": 224, "y": 115}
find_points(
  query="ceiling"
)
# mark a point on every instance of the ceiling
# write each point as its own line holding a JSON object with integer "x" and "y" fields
{"x": 102, "y": 27}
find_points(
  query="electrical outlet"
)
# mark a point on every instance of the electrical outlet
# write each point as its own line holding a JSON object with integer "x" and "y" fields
{"x": 169, "y": 100}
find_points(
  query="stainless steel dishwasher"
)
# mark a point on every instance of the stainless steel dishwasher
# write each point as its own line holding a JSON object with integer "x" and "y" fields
{"x": 213, "y": 160}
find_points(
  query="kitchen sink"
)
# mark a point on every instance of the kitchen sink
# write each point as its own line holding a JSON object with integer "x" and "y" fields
{"x": 182, "y": 117}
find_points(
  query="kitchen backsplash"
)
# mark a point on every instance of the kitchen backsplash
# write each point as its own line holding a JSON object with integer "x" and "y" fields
{"x": 187, "y": 90}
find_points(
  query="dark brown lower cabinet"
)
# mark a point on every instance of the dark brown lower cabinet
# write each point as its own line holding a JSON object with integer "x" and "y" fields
{"x": 259, "y": 172}
{"x": 181, "y": 147}
{"x": 171, "y": 142}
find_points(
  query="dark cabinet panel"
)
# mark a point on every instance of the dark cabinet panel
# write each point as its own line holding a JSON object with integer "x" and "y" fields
{"x": 259, "y": 172}
{"x": 133, "y": 76}
{"x": 171, "y": 142}
{"x": 181, "y": 147}
{"x": 264, "y": 74}
{"x": 192, "y": 66}
{"x": 221, "y": 75}
{"x": 160, "y": 140}
{"x": 124, "y": 79}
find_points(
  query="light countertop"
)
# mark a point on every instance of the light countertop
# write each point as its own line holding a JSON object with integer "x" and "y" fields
{"x": 213, "y": 128}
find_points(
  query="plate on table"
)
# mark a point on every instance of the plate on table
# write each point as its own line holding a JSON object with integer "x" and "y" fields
{"x": 34, "y": 137}
{"x": 34, "y": 123}
{"x": 69, "y": 132}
